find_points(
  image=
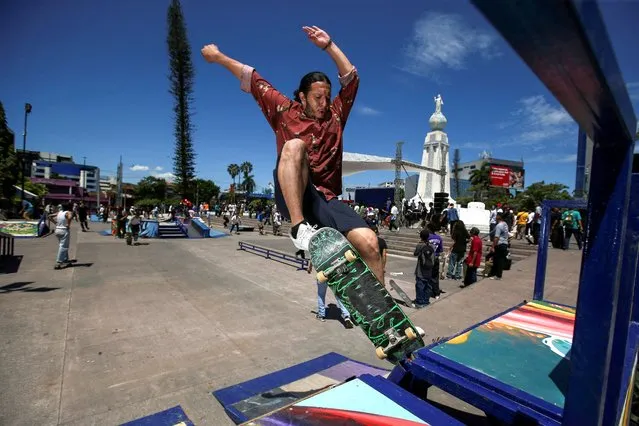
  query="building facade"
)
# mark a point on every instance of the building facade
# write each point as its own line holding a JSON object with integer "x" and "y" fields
{"x": 49, "y": 165}
{"x": 506, "y": 174}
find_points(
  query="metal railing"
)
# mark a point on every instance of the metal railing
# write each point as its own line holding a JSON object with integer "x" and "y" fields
{"x": 302, "y": 264}
{"x": 7, "y": 244}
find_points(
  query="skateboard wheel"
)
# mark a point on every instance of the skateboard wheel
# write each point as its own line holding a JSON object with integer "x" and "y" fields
{"x": 380, "y": 353}
{"x": 321, "y": 277}
{"x": 350, "y": 256}
{"x": 410, "y": 334}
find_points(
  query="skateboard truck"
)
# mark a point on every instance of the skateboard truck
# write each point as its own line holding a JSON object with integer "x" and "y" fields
{"x": 323, "y": 276}
{"x": 395, "y": 339}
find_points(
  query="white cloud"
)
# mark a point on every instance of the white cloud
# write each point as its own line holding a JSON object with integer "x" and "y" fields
{"x": 552, "y": 158}
{"x": 445, "y": 41}
{"x": 475, "y": 145}
{"x": 541, "y": 113}
{"x": 139, "y": 168}
{"x": 539, "y": 121}
{"x": 633, "y": 90}
{"x": 167, "y": 175}
{"x": 159, "y": 168}
{"x": 364, "y": 110}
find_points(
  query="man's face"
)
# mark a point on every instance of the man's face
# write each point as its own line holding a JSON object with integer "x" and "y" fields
{"x": 317, "y": 100}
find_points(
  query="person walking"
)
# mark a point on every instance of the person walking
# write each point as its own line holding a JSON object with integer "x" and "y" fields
{"x": 499, "y": 248}
{"x": 63, "y": 234}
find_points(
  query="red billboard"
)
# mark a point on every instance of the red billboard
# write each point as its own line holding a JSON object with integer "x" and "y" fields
{"x": 506, "y": 177}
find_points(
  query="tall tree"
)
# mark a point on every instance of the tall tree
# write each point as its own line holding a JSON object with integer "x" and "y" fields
{"x": 480, "y": 181}
{"x": 233, "y": 170}
{"x": 181, "y": 78}
{"x": 8, "y": 159}
{"x": 456, "y": 160}
{"x": 248, "y": 181}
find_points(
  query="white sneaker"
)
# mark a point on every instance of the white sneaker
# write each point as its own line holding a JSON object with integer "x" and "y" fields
{"x": 304, "y": 233}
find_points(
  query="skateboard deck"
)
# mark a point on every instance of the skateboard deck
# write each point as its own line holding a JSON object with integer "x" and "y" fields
{"x": 371, "y": 307}
{"x": 402, "y": 294}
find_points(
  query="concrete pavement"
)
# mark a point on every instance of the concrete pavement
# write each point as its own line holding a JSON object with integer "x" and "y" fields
{"x": 130, "y": 331}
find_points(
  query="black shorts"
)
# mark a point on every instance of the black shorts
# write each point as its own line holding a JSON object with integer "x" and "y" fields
{"x": 317, "y": 211}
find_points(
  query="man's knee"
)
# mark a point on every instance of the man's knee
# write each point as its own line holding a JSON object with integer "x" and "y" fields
{"x": 366, "y": 242}
{"x": 294, "y": 149}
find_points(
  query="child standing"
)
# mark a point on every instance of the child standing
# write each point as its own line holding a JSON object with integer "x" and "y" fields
{"x": 473, "y": 260}
{"x": 423, "y": 270}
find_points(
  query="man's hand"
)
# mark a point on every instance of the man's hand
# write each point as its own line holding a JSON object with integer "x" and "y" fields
{"x": 211, "y": 53}
{"x": 318, "y": 36}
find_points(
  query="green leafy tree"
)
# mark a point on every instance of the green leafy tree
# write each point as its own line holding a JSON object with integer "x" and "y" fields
{"x": 8, "y": 159}
{"x": 181, "y": 78}
{"x": 150, "y": 188}
{"x": 207, "y": 190}
{"x": 480, "y": 181}
{"x": 233, "y": 170}
{"x": 248, "y": 182}
{"x": 38, "y": 189}
{"x": 537, "y": 192}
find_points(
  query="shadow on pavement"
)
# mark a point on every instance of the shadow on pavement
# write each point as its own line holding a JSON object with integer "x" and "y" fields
{"x": 24, "y": 286}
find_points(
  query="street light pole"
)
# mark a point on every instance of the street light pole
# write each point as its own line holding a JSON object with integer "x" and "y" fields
{"x": 27, "y": 110}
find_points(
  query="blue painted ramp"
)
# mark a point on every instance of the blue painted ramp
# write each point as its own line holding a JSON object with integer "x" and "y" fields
{"x": 172, "y": 417}
{"x": 328, "y": 390}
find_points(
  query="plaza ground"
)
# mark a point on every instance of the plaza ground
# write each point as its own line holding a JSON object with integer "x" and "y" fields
{"x": 130, "y": 331}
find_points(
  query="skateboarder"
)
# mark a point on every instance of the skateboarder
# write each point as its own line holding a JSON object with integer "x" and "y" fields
{"x": 308, "y": 132}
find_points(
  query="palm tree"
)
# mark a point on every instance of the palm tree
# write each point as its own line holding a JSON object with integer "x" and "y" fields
{"x": 248, "y": 184}
{"x": 480, "y": 179}
{"x": 233, "y": 170}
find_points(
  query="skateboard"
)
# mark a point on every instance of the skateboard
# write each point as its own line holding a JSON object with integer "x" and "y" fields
{"x": 371, "y": 306}
{"x": 402, "y": 294}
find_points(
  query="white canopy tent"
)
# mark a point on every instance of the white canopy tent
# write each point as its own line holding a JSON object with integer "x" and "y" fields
{"x": 355, "y": 163}
{"x": 27, "y": 194}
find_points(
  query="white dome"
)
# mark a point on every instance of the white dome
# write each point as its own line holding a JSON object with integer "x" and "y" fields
{"x": 437, "y": 121}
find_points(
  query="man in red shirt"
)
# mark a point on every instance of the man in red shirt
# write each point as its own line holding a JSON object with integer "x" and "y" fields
{"x": 308, "y": 133}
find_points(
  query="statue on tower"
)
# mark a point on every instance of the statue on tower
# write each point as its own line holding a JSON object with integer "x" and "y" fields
{"x": 438, "y": 120}
{"x": 438, "y": 104}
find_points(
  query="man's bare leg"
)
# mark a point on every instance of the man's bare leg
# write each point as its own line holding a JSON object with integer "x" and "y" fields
{"x": 292, "y": 175}
{"x": 365, "y": 242}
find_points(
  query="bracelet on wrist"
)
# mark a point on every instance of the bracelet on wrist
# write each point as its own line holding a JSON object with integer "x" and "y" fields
{"x": 330, "y": 41}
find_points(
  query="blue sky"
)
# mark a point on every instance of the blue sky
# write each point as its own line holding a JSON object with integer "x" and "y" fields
{"x": 96, "y": 75}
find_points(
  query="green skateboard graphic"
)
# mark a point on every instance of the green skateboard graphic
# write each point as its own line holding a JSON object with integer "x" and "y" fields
{"x": 371, "y": 306}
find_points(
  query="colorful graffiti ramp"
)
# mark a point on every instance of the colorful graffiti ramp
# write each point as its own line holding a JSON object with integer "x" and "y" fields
{"x": 329, "y": 390}
{"x": 522, "y": 354}
{"x": 354, "y": 403}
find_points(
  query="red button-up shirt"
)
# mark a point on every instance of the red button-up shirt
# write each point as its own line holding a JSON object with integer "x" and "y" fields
{"x": 323, "y": 138}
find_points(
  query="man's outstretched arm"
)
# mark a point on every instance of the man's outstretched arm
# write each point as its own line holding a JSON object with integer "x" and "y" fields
{"x": 322, "y": 40}
{"x": 270, "y": 100}
{"x": 213, "y": 55}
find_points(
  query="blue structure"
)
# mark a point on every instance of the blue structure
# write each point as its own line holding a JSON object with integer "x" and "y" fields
{"x": 566, "y": 45}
